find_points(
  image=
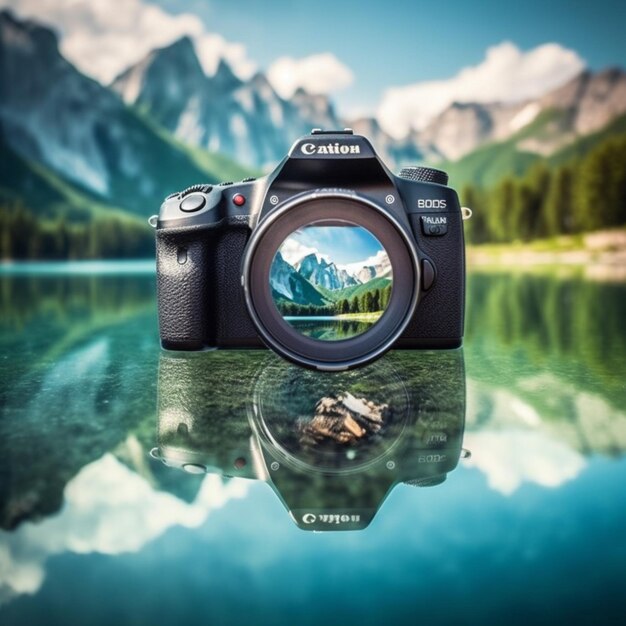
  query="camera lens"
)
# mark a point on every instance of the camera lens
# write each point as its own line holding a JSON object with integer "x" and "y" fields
{"x": 331, "y": 279}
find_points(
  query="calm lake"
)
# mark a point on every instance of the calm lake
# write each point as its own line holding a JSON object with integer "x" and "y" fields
{"x": 328, "y": 328}
{"x": 482, "y": 486}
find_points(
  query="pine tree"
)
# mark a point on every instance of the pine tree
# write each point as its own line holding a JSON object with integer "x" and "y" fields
{"x": 500, "y": 204}
{"x": 523, "y": 212}
{"x": 539, "y": 178}
{"x": 363, "y": 303}
{"x": 602, "y": 186}
{"x": 385, "y": 296}
{"x": 559, "y": 207}
{"x": 476, "y": 229}
{"x": 376, "y": 301}
{"x": 354, "y": 305}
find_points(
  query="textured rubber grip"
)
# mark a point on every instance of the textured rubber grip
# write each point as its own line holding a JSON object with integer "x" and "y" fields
{"x": 183, "y": 291}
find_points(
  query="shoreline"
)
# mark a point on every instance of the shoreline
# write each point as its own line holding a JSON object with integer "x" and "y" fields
{"x": 351, "y": 317}
{"x": 97, "y": 267}
{"x": 600, "y": 255}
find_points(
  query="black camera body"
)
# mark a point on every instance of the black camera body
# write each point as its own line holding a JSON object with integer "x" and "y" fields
{"x": 215, "y": 245}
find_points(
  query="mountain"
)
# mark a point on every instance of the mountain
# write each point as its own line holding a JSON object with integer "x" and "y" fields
{"x": 394, "y": 152}
{"x": 321, "y": 273}
{"x": 382, "y": 267}
{"x": 74, "y": 149}
{"x": 288, "y": 284}
{"x": 58, "y": 120}
{"x": 366, "y": 273}
{"x": 490, "y": 163}
{"x": 23, "y": 182}
{"x": 463, "y": 127}
{"x": 314, "y": 281}
{"x": 248, "y": 121}
{"x": 583, "y": 105}
{"x": 245, "y": 120}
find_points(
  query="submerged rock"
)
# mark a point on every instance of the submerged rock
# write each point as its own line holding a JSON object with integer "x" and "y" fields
{"x": 343, "y": 419}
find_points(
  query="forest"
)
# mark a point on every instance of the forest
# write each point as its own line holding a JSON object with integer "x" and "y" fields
{"x": 23, "y": 236}
{"x": 368, "y": 302}
{"x": 585, "y": 194}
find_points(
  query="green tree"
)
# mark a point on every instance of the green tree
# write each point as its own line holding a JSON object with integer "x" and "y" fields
{"x": 500, "y": 204}
{"x": 354, "y": 305}
{"x": 559, "y": 205}
{"x": 476, "y": 229}
{"x": 385, "y": 296}
{"x": 602, "y": 188}
{"x": 522, "y": 212}
{"x": 345, "y": 306}
{"x": 363, "y": 303}
{"x": 539, "y": 179}
{"x": 376, "y": 301}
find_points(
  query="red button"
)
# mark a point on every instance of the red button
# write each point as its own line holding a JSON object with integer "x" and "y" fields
{"x": 239, "y": 200}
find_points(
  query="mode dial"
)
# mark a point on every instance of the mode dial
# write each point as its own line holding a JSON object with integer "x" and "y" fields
{"x": 424, "y": 175}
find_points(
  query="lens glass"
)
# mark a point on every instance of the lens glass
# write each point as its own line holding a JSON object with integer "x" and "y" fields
{"x": 331, "y": 280}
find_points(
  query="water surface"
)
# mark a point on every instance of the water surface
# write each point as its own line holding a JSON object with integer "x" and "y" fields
{"x": 329, "y": 328}
{"x": 529, "y": 529}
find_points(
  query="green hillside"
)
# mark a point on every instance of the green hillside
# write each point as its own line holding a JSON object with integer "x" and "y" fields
{"x": 583, "y": 194}
{"x": 177, "y": 165}
{"x": 171, "y": 165}
{"x": 581, "y": 147}
{"x": 492, "y": 162}
{"x": 48, "y": 195}
{"x": 356, "y": 290}
{"x": 43, "y": 215}
{"x": 310, "y": 295}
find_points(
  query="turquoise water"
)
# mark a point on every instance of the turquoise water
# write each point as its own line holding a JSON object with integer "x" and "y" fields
{"x": 514, "y": 448}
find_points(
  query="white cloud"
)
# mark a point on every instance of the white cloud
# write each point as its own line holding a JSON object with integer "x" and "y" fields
{"x": 507, "y": 74}
{"x": 294, "y": 251}
{"x": 511, "y": 457}
{"x": 380, "y": 258}
{"x": 108, "y": 509}
{"x": 317, "y": 74}
{"x": 103, "y": 38}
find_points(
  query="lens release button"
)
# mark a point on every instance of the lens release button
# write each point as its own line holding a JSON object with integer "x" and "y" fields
{"x": 434, "y": 225}
{"x": 428, "y": 274}
{"x": 192, "y": 203}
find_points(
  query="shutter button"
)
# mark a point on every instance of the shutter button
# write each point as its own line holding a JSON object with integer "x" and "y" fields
{"x": 192, "y": 203}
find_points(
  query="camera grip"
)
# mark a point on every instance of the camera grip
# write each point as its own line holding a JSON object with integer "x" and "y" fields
{"x": 183, "y": 290}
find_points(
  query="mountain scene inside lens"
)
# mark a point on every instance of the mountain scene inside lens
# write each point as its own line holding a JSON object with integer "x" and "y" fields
{"x": 331, "y": 281}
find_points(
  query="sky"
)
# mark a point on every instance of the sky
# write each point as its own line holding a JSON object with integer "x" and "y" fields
{"x": 342, "y": 245}
{"x": 402, "y": 62}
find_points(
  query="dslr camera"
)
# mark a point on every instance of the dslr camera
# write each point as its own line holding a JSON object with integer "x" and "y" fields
{"x": 330, "y": 260}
